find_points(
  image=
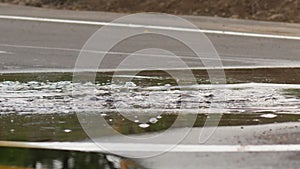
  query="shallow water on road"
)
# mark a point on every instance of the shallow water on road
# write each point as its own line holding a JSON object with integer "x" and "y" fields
{"x": 66, "y": 127}
{"x": 35, "y": 97}
{"x": 44, "y": 107}
{"x": 16, "y": 158}
{"x": 150, "y": 102}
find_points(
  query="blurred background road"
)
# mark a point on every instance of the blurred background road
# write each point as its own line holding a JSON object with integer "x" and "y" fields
{"x": 53, "y": 45}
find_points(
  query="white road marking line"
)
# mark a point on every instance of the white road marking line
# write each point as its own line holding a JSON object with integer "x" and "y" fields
{"x": 5, "y": 52}
{"x": 97, "y": 23}
{"x": 141, "y": 147}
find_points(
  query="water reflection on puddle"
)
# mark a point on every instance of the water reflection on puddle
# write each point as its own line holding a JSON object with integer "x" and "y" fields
{"x": 12, "y": 158}
{"x": 66, "y": 127}
{"x": 41, "y": 107}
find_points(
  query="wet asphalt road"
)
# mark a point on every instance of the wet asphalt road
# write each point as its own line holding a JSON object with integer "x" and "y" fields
{"x": 41, "y": 45}
{"x": 28, "y": 45}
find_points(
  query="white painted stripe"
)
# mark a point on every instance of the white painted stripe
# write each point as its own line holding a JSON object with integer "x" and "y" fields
{"x": 5, "y": 52}
{"x": 140, "y": 147}
{"x": 181, "y": 29}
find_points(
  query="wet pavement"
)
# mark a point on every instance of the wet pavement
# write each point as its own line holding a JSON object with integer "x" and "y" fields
{"x": 50, "y": 159}
{"x": 260, "y": 104}
{"x": 145, "y": 93}
{"x": 45, "y": 110}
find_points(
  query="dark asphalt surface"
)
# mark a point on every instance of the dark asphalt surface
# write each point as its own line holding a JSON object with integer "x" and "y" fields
{"x": 40, "y": 45}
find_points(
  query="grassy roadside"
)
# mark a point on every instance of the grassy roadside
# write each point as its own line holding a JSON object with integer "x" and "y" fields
{"x": 268, "y": 10}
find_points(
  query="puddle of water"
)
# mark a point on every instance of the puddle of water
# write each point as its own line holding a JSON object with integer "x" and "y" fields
{"x": 65, "y": 127}
{"x": 41, "y": 107}
{"x": 17, "y": 158}
{"x": 47, "y": 102}
{"x": 66, "y": 97}
{"x": 292, "y": 93}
